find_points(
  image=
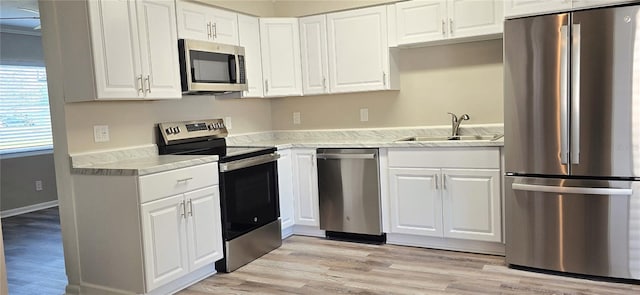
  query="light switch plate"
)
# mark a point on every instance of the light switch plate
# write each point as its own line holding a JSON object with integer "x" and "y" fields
{"x": 364, "y": 115}
{"x": 296, "y": 118}
{"x": 101, "y": 133}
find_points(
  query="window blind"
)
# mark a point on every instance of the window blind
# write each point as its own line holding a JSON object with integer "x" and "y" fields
{"x": 25, "y": 120}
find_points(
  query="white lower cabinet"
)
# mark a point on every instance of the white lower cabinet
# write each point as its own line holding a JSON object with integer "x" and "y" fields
{"x": 305, "y": 187}
{"x": 298, "y": 192}
{"x": 285, "y": 188}
{"x": 181, "y": 233}
{"x": 416, "y": 204}
{"x": 166, "y": 235}
{"x": 447, "y": 193}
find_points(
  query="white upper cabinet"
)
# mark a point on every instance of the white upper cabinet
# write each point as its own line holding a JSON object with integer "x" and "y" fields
{"x": 424, "y": 21}
{"x": 201, "y": 22}
{"x": 313, "y": 47}
{"x": 157, "y": 27}
{"x": 280, "y": 44}
{"x": 358, "y": 51}
{"x": 593, "y": 3}
{"x": 134, "y": 49}
{"x": 469, "y": 18}
{"x": 517, "y": 8}
{"x": 420, "y": 21}
{"x": 249, "y": 34}
{"x": 530, "y": 7}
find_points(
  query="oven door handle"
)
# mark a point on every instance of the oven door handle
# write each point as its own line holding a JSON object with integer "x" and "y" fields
{"x": 244, "y": 163}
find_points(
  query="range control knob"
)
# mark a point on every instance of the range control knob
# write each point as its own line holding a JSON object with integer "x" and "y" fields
{"x": 168, "y": 130}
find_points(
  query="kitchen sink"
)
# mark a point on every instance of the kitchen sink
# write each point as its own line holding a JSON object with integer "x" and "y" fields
{"x": 448, "y": 138}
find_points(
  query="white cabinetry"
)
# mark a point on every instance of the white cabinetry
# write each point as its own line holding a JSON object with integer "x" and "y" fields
{"x": 305, "y": 187}
{"x": 201, "y": 22}
{"x": 249, "y": 34}
{"x": 286, "y": 196}
{"x": 530, "y": 7}
{"x": 416, "y": 204}
{"x": 313, "y": 46}
{"x": 358, "y": 51}
{"x": 517, "y": 8}
{"x": 425, "y": 21}
{"x": 167, "y": 233}
{"x": 578, "y": 4}
{"x": 280, "y": 44}
{"x": 134, "y": 50}
{"x": 449, "y": 193}
{"x": 181, "y": 233}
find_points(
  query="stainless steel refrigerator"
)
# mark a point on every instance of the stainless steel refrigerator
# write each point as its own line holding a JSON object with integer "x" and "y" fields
{"x": 572, "y": 142}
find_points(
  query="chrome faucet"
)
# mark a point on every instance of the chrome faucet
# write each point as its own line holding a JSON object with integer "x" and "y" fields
{"x": 455, "y": 124}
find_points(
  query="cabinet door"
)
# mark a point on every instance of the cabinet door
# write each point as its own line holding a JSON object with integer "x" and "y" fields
{"x": 285, "y": 187}
{"x": 165, "y": 243}
{"x": 357, "y": 50}
{"x": 416, "y": 204}
{"x": 531, "y": 7}
{"x": 471, "y": 204}
{"x": 116, "y": 52}
{"x": 421, "y": 21}
{"x": 313, "y": 47}
{"x": 249, "y": 35}
{"x": 280, "y": 44}
{"x": 159, "y": 50}
{"x": 193, "y": 21}
{"x": 204, "y": 229}
{"x": 305, "y": 188}
{"x": 224, "y": 26}
{"x": 475, "y": 18}
{"x": 597, "y": 3}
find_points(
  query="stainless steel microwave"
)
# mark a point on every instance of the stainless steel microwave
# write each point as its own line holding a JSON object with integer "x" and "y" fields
{"x": 207, "y": 67}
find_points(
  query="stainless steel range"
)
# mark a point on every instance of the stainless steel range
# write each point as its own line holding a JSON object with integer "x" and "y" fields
{"x": 248, "y": 187}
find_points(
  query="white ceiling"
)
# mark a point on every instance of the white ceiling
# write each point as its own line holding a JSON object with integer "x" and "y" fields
{"x": 19, "y": 14}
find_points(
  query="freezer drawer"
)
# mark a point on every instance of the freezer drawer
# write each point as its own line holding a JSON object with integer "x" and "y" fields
{"x": 349, "y": 191}
{"x": 578, "y": 226}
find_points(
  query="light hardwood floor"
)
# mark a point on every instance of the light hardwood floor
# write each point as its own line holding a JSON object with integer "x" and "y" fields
{"x": 306, "y": 265}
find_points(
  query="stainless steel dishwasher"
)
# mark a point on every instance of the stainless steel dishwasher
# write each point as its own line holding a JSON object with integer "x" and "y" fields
{"x": 349, "y": 193}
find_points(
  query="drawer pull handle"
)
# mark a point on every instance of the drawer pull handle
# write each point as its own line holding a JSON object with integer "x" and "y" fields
{"x": 184, "y": 180}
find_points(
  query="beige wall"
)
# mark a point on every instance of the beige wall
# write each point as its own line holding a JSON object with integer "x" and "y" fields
{"x": 18, "y": 177}
{"x": 132, "y": 123}
{"x": 458, "y": 78}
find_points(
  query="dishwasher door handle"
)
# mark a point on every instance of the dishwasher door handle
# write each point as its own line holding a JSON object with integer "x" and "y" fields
{"x": 345, "y": 156}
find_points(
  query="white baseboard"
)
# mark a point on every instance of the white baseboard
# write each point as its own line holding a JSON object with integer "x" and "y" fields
{"x": 27, "y": 209}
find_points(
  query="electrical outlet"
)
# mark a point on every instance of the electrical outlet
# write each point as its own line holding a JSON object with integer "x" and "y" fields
{"x": 100, "y": 133}
{"x": 364, "y": 115}
{"x": 38, "y": 185}
{"x": 296, "y": 118}
{"x": 227, "y": 123}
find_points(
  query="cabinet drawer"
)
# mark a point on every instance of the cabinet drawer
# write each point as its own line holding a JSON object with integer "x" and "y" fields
{"x": 477, "y": 157}
{"x": 159, "y": 185}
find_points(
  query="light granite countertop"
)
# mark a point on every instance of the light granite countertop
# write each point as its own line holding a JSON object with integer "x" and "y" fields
{"x": 135, "y": 161}
{"x": 143, "y": 160}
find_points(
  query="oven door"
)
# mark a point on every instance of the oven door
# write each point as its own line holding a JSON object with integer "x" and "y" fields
{"x": 249, "y": 194}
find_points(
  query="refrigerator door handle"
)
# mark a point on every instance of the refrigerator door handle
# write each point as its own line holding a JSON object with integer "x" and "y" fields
{"x": 575, "y": 94}
{"x": 572, "y": 190}
{"x": 564, "y": 94}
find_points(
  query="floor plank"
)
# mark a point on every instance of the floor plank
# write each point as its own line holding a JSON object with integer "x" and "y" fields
{"x": 33, "y": 253}
{"x": 306, "y": 265}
